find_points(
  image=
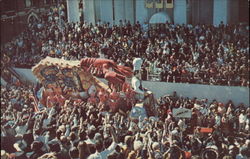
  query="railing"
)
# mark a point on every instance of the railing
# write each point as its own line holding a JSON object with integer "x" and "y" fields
{"x": 6, "y": 75}
{"x": 156, "y": 76}
{"x": 10, "y": 76}
{"x": 13, "y": 72}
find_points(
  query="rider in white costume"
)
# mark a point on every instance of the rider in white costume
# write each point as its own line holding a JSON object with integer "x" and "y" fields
{"x": 136, "y": 80}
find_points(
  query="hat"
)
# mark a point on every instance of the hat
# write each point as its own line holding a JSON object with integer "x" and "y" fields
{"x": 20, "y": 145}
{"x": 132, "y": 154}
{"x": 4, "y": 154}
{"x": 158, "y": 155}
{"x": 175, "y": 142}
{"x": 138, "y": 145}
{"x": 97, "y": 136}
{"x": 50, "y": 155}
{"x": 63, "y": 138}
{"x": 62, "y": 128}
{"x": 19, "y": 136}
{"x": 155, "y": 146}
{"x": 247, "y": 142}
{"x": 174, "y": 132}
{"x": 92, "y": 128}
{"x": 221, "y": 104}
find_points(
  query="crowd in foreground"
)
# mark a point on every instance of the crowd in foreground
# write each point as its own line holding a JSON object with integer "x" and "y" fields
{"x": 79, "y": 130}
{"x": 204, "y": 54}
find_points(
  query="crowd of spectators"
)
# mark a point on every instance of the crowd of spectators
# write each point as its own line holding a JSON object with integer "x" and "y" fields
{"x": 79, "y": 130}
{"x": 205, "y": 54}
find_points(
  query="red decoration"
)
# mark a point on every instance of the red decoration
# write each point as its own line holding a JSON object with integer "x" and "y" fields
{"x": 103, "y": 96}
{"x": 114, "y": 98}
{"x": 103, "y": 66}
{"x": 206, "y": 130}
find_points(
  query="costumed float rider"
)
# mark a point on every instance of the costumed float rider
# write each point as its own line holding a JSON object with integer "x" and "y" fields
{"x": 92, "y": 91}
{"x": 43, "y": 94}
{"x": 141, "y": 93}
{"x": 75, "y": 93}
{"x": 103, "y": 97}
{"x": 55, "y": 96}
{"x": 117, "y": 103}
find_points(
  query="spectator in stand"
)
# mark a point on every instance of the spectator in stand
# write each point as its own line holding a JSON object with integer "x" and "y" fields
{"x": 201, "y": 54}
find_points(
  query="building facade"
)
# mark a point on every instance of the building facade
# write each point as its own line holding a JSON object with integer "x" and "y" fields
{"x": 176, "y": 11}
{"x": 15, "y": 15}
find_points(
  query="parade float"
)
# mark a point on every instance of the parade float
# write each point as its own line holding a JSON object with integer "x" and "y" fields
{"x": 77, "y": 80}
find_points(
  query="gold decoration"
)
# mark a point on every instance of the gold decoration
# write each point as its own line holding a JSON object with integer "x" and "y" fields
{"x": 159, "y": 4}
{"x": 149, "y": 3}
{"x": 169, "y": 3}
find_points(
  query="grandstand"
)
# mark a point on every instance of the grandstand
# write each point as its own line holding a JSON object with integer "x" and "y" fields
{"x": 91, "y": 79}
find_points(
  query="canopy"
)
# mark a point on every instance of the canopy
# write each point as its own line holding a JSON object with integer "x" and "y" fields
{"x": 160, "y": 17}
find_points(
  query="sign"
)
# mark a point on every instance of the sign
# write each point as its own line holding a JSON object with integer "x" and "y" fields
{"x": 206, "y": 130}
{"x": 182, "y": 113}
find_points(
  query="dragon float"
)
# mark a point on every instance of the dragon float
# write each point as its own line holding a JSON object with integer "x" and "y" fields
{"x": 77, "y": 80}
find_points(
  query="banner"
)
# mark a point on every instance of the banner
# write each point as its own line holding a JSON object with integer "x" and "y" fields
{"x": 149, "y": 3}
{"x": 206, "y": 130}
{"x": 159, "y": 4}
{"x": 182, "y": 113}
{"x": 169, "y": 3}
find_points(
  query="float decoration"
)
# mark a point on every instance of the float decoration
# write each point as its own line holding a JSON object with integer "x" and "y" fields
{"x": 68, "y": 75}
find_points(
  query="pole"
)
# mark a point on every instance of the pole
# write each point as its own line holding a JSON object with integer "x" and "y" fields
{"x": 59, "y": 16}
{"x": 113, "y": 11}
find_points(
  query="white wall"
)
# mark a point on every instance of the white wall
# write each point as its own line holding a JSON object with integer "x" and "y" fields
{"x": 26, "y": 74}
{"x": 97, "y": 5}
{"x": 220, "y": 93}
{"x": 89, "y": 11}
{"x": 141, "y": 12}
{"x": 129, "y": 11}
{"x": 119, "y": 10}
{"x": 220, "y": 11}
{"x": 180, "y": 12}
{"x": 124, "y": 10}
{"x": 73, "y": 10}
{"x": 106, "y": 11}
{"x": 3, "y": 82}
{"x": 103, "y": 10}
